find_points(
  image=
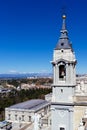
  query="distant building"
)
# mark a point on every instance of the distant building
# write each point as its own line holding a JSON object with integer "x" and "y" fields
{"x": 81, "y": 87}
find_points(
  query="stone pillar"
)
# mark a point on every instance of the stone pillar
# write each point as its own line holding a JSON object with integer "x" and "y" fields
{"x": 57, "y": 74}
{"x": 67, "y": 74}
{"x": 36, "y": 118}
{"x": 74, "y": 74}
{"x": 54, "y": 74}
{"x": 71, "y": 74}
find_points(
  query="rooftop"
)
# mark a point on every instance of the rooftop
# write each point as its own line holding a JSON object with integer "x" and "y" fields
{"x": 33, "y": 104}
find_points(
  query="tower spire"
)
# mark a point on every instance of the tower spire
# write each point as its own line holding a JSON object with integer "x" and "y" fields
{"x": 64, "y": 22}
{"x": 63, "y": 42}
{"x": 64, "y": 32}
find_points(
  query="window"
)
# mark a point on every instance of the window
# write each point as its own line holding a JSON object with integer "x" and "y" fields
{"x": 22, "y": 117}
{"x": 62, "y": 128}
{"x": 61, "y": 90}
{"x": 45, "y": 110}
{"x": 62, "y": 44}
{"x": 15, "y": 117}
{"x": 9, "y": 116}
{"x": 62, "y": 71}
{"x": 29, "y": 118}
{"x": 62, "y": 50}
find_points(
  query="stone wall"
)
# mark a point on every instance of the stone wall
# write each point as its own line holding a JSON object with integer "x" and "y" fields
{"x": 78, "y": 115}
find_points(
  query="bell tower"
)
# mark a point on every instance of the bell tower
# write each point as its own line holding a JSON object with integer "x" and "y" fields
{"x": 64, "y": 63}
{"x": 64, "y": 82}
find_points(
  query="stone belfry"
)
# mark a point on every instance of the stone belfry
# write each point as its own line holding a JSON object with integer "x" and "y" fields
{"x": 64, "y": 82}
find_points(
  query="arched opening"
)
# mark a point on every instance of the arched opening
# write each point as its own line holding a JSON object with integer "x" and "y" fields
{"x": 62, "y": 72}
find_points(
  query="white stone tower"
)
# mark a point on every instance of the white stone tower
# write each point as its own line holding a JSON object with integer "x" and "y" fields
{"x": 64, "y": 82}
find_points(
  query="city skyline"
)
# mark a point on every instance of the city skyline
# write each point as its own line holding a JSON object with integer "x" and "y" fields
{"x": 30, "y": 29}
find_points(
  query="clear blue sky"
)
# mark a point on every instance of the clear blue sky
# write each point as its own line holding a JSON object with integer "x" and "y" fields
{"x": 29, "y": 31}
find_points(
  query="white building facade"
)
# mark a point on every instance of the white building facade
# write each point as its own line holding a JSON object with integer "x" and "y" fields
{"x": 25, "y": 111}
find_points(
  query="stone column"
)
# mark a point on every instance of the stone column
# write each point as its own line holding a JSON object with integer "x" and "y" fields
{"x": 36, "y": 121}
{"x": 67, "y": 74}
{"x": 54, "y": 74}
{"x": 71, "y": 74}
